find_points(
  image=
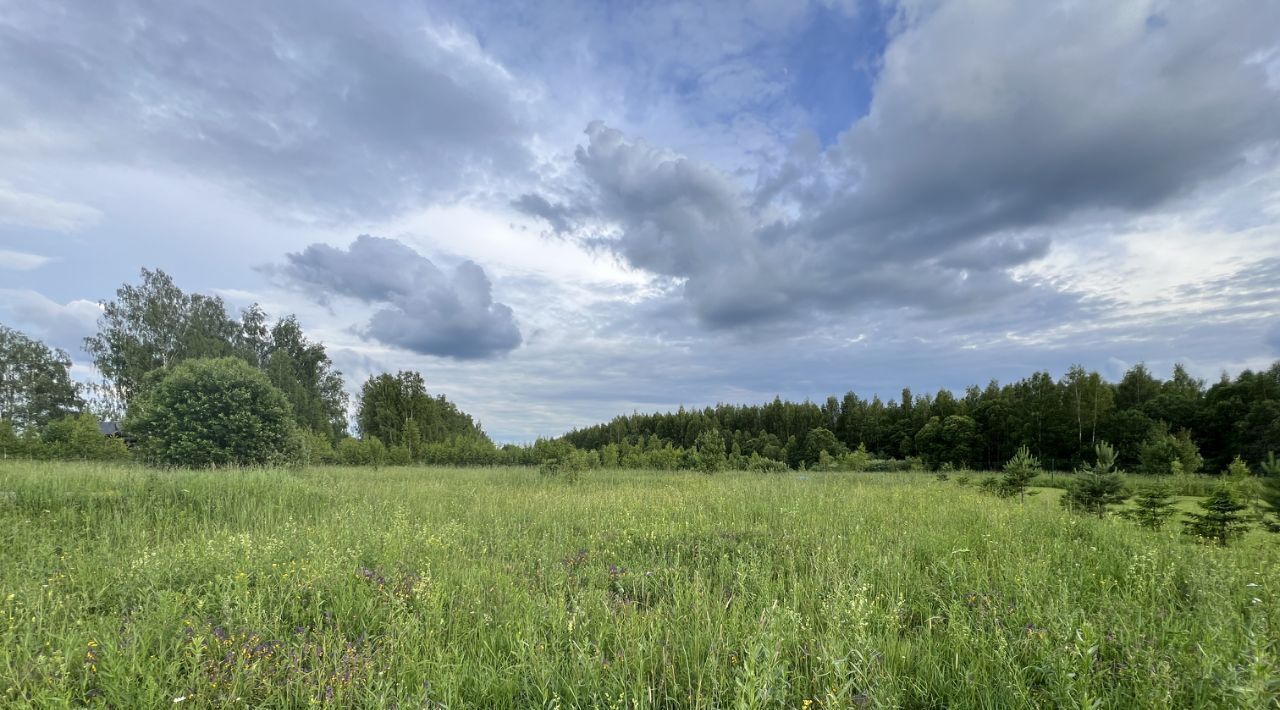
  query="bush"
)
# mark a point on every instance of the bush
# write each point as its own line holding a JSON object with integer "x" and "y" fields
{"x": 761, "y": 464}
{"x": 212, "y": 412}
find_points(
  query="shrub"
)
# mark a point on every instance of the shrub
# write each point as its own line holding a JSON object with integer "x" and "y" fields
{"x": 761, "y": 464}
{"x": 78, "y": 437}
{"x": 212, "y": 412}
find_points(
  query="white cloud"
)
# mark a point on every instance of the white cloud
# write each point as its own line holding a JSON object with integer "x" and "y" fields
{"x": 21, "y": 261}
{"x": 29, "y": 209}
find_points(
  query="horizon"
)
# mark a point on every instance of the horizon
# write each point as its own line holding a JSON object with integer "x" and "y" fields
{"x": 673, "y": 205}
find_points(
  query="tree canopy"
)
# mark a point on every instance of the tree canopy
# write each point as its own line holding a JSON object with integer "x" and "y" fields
{"x": 35, "y": 387}
{"x": 155, "y": 325}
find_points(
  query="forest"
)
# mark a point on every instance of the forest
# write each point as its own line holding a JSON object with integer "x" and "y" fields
{"x": 152, "y": 329}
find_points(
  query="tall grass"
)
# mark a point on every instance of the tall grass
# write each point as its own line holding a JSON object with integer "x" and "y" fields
{"x": 414, "y": 587}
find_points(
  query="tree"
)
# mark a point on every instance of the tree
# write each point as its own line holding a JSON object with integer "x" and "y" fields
{"x": 156, "y": 325}
{"x": 303, "y": 372}
{"x": 1154, "y": 507}
{"x": 219, "y": 412}
{"x": 1018, "y": 473}
{"x": 388, "y": 403}
{"x": 1161, "y": 449}
{"x": 35, "y": 387}
{"x": 1221, "y": 522}
{"x": 710, "y": 451}
{"x": 818, "y": 441}
{"x": 1095, "y": 487}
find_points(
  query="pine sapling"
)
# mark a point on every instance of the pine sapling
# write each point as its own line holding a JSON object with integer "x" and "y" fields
{"x": 1018, "y": 473}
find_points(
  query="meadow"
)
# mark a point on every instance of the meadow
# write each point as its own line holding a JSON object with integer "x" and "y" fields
{"x": 420, "y": 587}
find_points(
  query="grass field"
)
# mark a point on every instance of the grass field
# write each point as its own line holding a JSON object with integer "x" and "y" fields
{"x": 413, "y": 587}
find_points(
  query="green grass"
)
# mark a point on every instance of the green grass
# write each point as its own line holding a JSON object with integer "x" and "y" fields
{"x": 413, "y": 587}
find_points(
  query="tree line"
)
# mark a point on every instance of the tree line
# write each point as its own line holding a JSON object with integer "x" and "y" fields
{"x": 194, "y": 385}
{"x": 1150, "y": 422}
{"x": 154, "y": 331}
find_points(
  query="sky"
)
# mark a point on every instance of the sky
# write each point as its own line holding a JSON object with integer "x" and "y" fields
{"x": 563, "y": 211}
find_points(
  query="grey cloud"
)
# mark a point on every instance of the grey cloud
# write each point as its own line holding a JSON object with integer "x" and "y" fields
{"x": 683, "y": 219}
{"x": 329, "y": 107}
{"x": 970, "y": 133}
{"x": 421, "y": 308}
{"x": 977, "y": 151}
{"x": 559, "y": 216}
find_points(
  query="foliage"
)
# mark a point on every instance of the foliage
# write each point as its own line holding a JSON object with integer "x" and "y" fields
{"x": 218, "y": 412}
{"x": 398, "y": 410}
{"x": 710, "y": 451}
{"x": 1221, "y": 522}
{"x": 1094, "y": 488}
{"x": 1018, "y": 473}
{"x": 155, "y": 325}
{"x": 35, "y": 387}
{"x": 1153, "y": 507}
{"x": 1162, "y": 449}
{"x": 78, "y": 438}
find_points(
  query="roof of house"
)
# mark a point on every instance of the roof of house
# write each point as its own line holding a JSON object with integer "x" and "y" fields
{"x": 110, "y": 428}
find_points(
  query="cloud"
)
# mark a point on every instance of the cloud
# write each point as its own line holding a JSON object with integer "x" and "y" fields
{"x": 21, "y": 261}
{"x": 62, "y": 325}
{"x": 421, "y": 308}
{"x": 976, "y": 151}
{"x": 329, "y": 107}
{"x": 560, "y": 217}
{"x": 28, "y": 209}
{"x": 740, "y": 264}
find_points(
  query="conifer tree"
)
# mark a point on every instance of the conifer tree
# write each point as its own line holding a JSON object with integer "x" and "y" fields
{"x": 1221, "y": 522}
{"x": 1097, "y": 486}
{"x": 1154, "y": 507}
{"x": 1018, "y": 473}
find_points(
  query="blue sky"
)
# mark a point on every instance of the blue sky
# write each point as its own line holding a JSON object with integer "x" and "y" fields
{"x": 562, "y": 211}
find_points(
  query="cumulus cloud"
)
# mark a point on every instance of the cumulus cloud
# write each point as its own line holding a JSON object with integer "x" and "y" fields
{"x": 420, "y": 307}
{"x": 990, "y": 127}
{"x": 330, "y": 107}
{"x": 62, "y": 325}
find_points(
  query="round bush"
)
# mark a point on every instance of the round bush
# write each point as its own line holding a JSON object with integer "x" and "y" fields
{"x": 213, "y": 412}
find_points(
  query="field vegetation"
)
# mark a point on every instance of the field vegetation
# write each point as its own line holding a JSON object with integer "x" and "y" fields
{"x": 432, "y": 587}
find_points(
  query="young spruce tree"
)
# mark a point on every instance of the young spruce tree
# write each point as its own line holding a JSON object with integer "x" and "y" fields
{"x": 1095, "y": 487}
{"x": 1154, "y": 507}
{"x": 1221, "y": 522}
